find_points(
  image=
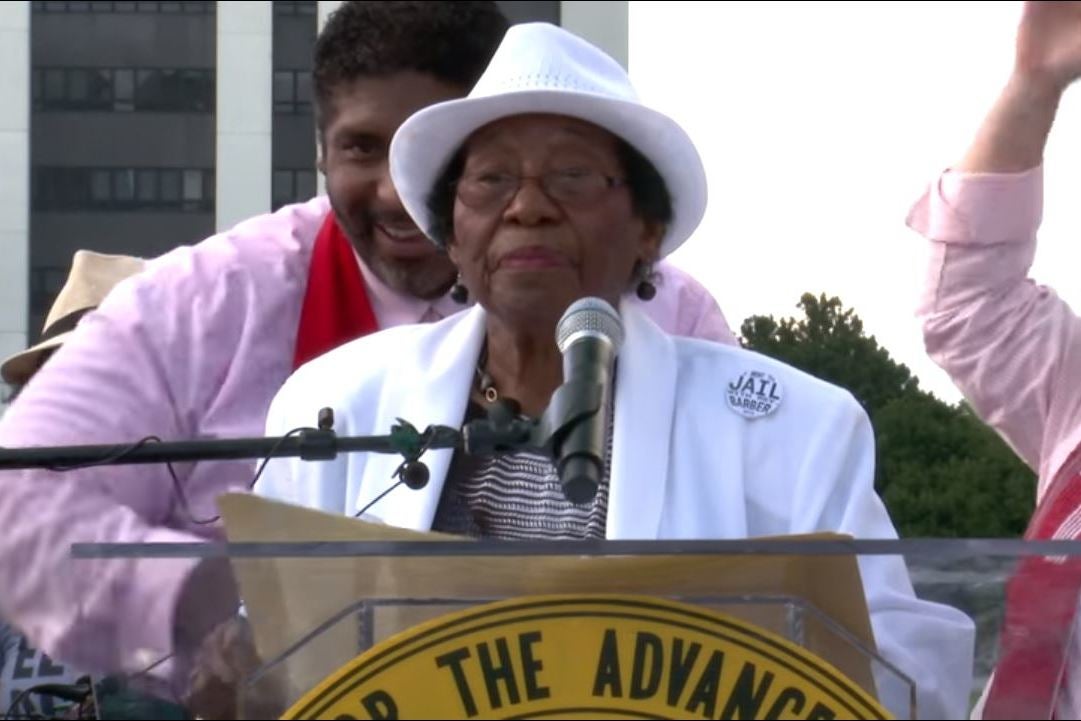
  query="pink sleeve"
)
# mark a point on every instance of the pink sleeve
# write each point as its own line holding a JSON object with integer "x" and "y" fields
{"x": 685, "y": 308}
{"x": 125, "y": 373}
{"x": 1011, "y": 346}
{"x": 705, "y": 319}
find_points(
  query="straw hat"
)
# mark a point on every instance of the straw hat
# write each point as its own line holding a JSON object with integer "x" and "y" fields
{"x": 542, "y": 68}
{"x": 91, "y": 278}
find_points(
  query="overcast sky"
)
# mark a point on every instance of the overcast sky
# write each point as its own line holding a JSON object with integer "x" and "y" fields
{"x": 820, "y": 123}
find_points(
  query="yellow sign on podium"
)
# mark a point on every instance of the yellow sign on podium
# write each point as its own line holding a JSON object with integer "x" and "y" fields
{"x": 587, "y": 657}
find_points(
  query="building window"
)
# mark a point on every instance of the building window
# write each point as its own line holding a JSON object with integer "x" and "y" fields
{"x": 283, "y": 7}
{"x": 169, "y": 183}
{"x": 163, "y": 90}
{"x": 62, "y": 189}
{"x": 100, "y": 186}
{"x": 54, "y": 86}
{"x": 293, "y": 92}
{"x": 206, "y": 7}
{"x": 291, "y": 186}
{"x": 124, "y": 90}
{"x": 171, "y": 90}
{"x": 45, "y": 284}
{"x": 146, "y": 185}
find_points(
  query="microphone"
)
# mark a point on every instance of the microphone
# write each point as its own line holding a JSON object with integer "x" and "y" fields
{"x": 589, "y": 336}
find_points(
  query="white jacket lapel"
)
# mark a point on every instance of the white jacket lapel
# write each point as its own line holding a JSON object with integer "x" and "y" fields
{"x": 644, "y": 408}
{"x": 442, "y": 364}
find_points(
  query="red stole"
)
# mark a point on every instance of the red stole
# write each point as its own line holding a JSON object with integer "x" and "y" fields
{"x": 1041, "y": 602}
{"x": 336, "y": 308}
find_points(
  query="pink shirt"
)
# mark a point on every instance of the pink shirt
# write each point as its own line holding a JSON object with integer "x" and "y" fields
{"x": 1013, "y": 347}
{"x": 195, "y": 347}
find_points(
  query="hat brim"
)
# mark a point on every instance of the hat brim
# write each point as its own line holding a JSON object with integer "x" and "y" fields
{"x": 427, "y": 141}
{"x": 17, "y": 369}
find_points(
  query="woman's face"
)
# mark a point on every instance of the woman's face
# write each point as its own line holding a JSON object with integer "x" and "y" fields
{"x": 542, "y": 217}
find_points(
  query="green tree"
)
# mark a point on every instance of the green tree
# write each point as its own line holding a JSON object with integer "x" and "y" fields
{"x": 940, "y": 470}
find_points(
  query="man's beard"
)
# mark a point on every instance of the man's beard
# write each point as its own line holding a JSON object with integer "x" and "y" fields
{"x": 426, "y": 278}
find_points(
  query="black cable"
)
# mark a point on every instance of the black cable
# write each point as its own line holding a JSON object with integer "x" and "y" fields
{"x": 179, "y": 489}
{"x": 177, "y": 486}
{"x": 119, "y": 682}
{"x": 182, "y": 497}
{"x": 411, "y": 472}
{"x": 375, "y": 500}
{"x": 109, "y": 459}
{"x": 15, "y": 704}
{"x": 42, "y": 689}
{"x": 151, "y": 667}
{"x": 10, "y": 714}
{"x": 276, "y": 446}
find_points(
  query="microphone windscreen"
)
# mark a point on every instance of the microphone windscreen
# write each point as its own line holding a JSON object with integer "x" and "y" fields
{"x": 589, "y": 316}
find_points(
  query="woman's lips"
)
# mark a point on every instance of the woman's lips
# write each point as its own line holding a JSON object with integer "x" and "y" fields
{"x": 532, "y": 258}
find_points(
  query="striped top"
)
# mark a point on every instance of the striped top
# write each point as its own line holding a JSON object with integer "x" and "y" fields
{"x": 517, "y": 496}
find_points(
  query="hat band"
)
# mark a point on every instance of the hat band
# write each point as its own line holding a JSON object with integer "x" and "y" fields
{"x": 65, "y": 324}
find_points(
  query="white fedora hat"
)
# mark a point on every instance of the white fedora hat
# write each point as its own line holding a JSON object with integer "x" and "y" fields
{"x": 541, "y": 68}
{"x": 91, "y": 278}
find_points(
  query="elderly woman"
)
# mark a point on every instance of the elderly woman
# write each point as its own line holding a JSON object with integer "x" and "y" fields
{"x": 548, "y": 184}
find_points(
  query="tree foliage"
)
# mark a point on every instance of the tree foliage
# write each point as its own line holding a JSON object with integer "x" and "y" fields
{"x": 940, "y": 470}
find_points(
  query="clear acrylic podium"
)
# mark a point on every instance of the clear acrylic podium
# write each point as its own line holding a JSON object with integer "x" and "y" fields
{"x": 457, "y": 624}
{"x": 357, "y": 620}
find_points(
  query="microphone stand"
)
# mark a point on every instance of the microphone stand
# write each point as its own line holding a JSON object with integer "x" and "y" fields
{"x": 503, "y": 431}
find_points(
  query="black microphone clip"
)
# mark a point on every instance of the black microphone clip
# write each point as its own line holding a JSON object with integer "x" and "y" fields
{"x": 573, "y": 404}
{"x": 504, "y": 430}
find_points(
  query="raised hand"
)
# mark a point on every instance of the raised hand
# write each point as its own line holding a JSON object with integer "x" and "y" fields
{"x": 1049, "y": 42}
{"x": 1047, "y": 59}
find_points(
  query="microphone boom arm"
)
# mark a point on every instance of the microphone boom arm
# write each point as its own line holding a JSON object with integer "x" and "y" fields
{"x": 310, "y": 444}
{"x": 573, "y": 404}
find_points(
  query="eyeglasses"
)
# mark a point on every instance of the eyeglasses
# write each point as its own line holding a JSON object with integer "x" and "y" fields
{"x": 491, "y": 190}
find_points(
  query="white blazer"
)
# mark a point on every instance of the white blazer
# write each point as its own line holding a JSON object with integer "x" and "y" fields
{"x": 688, "y": 461}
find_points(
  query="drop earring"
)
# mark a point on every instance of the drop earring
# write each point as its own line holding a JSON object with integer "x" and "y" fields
{"x": 458, "y": 292}
{"x": 645, "y": 289}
